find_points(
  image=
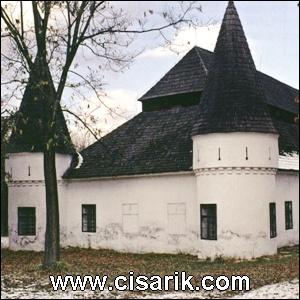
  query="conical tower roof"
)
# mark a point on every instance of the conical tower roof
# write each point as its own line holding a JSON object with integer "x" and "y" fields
{"x": 233, "y": 100}
{"x": 28, "y": 134}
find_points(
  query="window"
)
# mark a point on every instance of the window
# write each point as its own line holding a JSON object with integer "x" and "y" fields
{"x": 177, "y": 218}
{"x": 273, "y": 231}
{"x": 26, "y": 221}
{"x": 288, "y": 215}
{"x": 208, "y": 221}
{"x": 89, "y": 218}
{"x": 130, "y": 215}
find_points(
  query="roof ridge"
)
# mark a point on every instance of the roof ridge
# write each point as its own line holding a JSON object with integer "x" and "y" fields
{"x": 200, "y": 51}
{"x": 278, "y": 80}
{"x": 203, "y": 49}
{"x": 201, "y": 60}
{"x": 144, "y": 96}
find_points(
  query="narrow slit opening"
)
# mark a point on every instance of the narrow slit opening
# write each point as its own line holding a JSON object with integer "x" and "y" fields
{"x": 247, "y": 157}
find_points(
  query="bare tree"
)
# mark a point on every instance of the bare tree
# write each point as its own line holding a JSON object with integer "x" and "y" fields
{"x": 42, "y": 45}
{"x": 5, "y": 127}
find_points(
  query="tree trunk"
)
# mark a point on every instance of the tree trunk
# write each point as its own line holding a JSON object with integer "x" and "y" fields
{"x": 46, "y": 92}
{"x": 4, "y": 207}
{"x": 4, "y": 187}
{"x": 52, "y": 237}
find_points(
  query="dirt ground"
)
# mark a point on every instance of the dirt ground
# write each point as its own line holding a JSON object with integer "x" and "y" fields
{"x": 23, "y": 277}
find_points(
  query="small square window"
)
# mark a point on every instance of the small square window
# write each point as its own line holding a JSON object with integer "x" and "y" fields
{"x": 26, "y": 221}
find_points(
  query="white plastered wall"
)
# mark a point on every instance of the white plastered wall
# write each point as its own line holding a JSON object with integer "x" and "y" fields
{"x": 133, "y": 214}
{"x": 27, "y": 189}
{"x": 161, "y": 213}
{"x": 287, "y": 189}
{"x": 237, "y": 171}
{"x": 151, "y": 201}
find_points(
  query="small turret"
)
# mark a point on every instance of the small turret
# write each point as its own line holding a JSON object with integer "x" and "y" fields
{"x": 25, "y": 164}
{"x": 26, "y": 144}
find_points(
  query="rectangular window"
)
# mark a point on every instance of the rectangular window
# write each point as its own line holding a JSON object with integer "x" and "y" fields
{"x": 26, "y": 221}
{"x": 288, "y": 215}
{"x": 273, "y": 230}
{"x": 208, "y": 221}
{"x": 88, "y": 218}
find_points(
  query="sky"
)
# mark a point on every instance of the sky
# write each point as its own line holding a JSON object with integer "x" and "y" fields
{"x": 272, "y": 30}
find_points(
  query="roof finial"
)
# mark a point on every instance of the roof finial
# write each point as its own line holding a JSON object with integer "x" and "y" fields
{"x": 230, "y": 3}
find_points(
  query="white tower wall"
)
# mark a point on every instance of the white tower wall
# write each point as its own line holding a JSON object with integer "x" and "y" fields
{"x": 236, "y": 171}
{"x": 27, "y": 189}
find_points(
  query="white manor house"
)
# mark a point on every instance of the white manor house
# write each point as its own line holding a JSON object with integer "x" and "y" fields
{"x": 209, "y": 167}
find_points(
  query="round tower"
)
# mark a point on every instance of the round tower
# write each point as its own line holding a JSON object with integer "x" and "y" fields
{"x": 26, "y": 198}
{"x": 236, "y": 173}
{"x": 235, "y": 153}
{"x": 25, "y": 167}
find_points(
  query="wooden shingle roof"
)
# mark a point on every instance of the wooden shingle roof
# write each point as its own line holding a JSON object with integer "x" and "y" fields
{"x": 235, "y": 98}
{"x": 151, "y": 142}
{"x": 156, "y": 142}
{"x": 28, "y": 135}
{"x": 189, "y": 75}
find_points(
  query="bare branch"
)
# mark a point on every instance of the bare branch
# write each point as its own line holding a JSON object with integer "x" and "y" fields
{"x": 82, "y": 122}
{"x": 15, "y": 35}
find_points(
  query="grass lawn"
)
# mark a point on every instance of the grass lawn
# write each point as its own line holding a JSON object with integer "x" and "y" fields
{"x": 21, "y": 269}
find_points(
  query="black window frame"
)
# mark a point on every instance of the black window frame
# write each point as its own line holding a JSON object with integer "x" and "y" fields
{"x": 288, "y": 211}
{"x": 90, "y": 216}
{"x": 273, "y": 222}
{"x": 26, "y": 221}
{"x": 211, "y": 221}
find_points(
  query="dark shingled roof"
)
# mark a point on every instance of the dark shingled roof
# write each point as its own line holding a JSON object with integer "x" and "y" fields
{"x": 279, "y": 94}
{"x": 29, "y": 133}
{"x": 288, "y": 136}
{"x": 189, "y": 75}
{"x": 160, "y": 141}
{"x": 233, "y": 99}
{"x": 152, "y": 142}
{"x": 155, "y": 142}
